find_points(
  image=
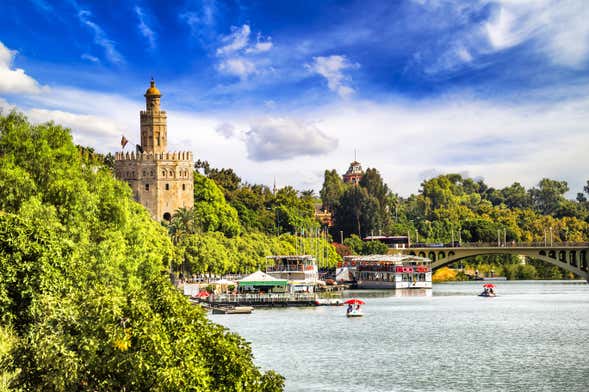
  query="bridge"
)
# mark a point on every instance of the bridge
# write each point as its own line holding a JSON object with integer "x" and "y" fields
{"x": 571, "y": 257}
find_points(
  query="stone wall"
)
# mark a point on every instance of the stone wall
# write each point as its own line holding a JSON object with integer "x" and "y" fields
{"x": 162, "y": 182}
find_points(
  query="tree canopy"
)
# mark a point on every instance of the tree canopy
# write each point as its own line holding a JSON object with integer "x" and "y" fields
{"x": 85, "y": 298}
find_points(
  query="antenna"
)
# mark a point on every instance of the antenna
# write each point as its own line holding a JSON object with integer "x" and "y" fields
{"x": 354, "y": 154}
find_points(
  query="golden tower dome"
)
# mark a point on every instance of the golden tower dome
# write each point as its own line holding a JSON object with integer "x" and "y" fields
{"x": 152, "y": 90}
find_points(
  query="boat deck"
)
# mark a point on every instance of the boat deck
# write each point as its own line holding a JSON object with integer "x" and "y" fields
{"x": 262, "y": 300}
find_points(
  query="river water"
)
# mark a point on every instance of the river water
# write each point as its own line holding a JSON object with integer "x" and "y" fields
{"x": 534, "y": 336}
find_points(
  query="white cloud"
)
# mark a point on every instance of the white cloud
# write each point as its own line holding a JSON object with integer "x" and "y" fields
{"x": 237, "y": 66}
{"x": 556, "y": 29}
{"x": 100, "y": 37}
{"x": 226, "y": 130}
{"x": 5, "y": 107}
{"x": 15, "y": 81}
{"x": 89, "y": 57}
{"x": 237, "y": 40}
{"x": 145, "y": 30}
{"x": 331, "y": 68}
{"x": 285, "y": 138}
{"x": 261, "y": 45}
{"x": 239, "y": 57}
{"x": 559, "y": 27}
{"x": 86, "y": 129}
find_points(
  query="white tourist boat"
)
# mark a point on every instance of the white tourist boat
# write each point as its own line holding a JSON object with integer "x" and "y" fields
{"x": 395, "y": 271}
{"x": 301, "y": 272}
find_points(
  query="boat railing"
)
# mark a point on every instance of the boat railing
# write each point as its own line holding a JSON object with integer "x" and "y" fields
{"x": 286, "y": 268}
{"x": 261, "y": 298}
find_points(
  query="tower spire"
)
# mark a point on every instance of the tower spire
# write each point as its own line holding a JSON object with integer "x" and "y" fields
{"x": 154, "y": 131}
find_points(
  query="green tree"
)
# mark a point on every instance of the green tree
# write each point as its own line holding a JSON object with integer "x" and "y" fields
{"x": 357, "y": 213}
{"x": 332, "y": 190}
{"x": 211, "y": 212}
{"x": 548, "y": 196}
{"x": 515, "y": 196}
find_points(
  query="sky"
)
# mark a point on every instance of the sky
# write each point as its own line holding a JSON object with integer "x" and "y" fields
{"x": 281, "y": 91}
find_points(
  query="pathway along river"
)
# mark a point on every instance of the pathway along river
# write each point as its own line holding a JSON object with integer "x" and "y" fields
{"x": 533, "y": 337}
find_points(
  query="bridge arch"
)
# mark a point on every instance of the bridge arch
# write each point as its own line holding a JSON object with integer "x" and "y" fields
{"x": 572, "y": 259}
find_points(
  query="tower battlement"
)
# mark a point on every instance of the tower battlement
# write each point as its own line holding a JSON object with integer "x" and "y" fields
{"x": 177, "y": 156}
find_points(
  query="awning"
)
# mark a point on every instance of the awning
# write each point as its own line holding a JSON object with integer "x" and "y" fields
{"x": 260, "y": 278}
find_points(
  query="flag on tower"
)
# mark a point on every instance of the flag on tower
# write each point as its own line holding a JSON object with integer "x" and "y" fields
{"x": 124, "y": 142}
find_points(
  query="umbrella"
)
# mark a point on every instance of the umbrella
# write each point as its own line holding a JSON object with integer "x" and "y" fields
{"x": 489, "y": 285}
{"x": 202, "y": 294}
{"x": 354, "y": 301}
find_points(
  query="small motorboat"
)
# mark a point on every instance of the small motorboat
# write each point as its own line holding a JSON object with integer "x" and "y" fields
{"x": 488, "y": 290}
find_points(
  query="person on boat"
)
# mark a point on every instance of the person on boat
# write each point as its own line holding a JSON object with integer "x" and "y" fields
{"x": 491, "y": 291}
{"x": 350, "y": 308}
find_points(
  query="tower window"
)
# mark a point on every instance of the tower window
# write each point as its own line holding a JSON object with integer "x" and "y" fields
{"x": 146, "y": 187}
{"x": 143, "y": 173}
{"x": 151, "y": 173}
{"x": 167, "y": 187}
{"x": 183, "y": 187}
{"x": 163, "y": 173}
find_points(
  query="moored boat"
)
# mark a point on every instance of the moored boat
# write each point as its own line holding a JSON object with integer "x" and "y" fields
{"x": 389, "y": 271}
{"x": 233, "y": 310}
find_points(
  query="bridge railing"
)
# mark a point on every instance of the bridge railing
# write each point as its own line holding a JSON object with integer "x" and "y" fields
{"x": 508, "y": 244}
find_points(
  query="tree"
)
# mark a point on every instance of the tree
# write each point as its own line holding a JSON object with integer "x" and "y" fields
{"x": 211, "y": 212}
{"x": 515, "y": 196}
{"x": 357, "y": 213}
{"x": 548, "y": 196}
{"x": 332, "y": 190}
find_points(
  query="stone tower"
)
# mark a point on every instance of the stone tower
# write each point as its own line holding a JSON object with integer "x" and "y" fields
{"x": 162, "y": 181}
{"x": 354, "y": 173}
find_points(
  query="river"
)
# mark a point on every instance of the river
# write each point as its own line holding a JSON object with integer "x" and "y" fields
{"x": 534, "y": 336}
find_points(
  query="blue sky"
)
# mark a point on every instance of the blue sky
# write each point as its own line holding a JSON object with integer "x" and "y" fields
{"x": 490, "y": 88}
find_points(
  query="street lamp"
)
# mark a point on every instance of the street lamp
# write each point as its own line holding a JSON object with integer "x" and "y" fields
{"x": 544, "y": 237}
{"x": 550, "y": 235}
{"x": 498, "y": 238}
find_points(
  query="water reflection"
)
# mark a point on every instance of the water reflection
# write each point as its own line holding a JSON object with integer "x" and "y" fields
{"x": 387, "y": 293}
